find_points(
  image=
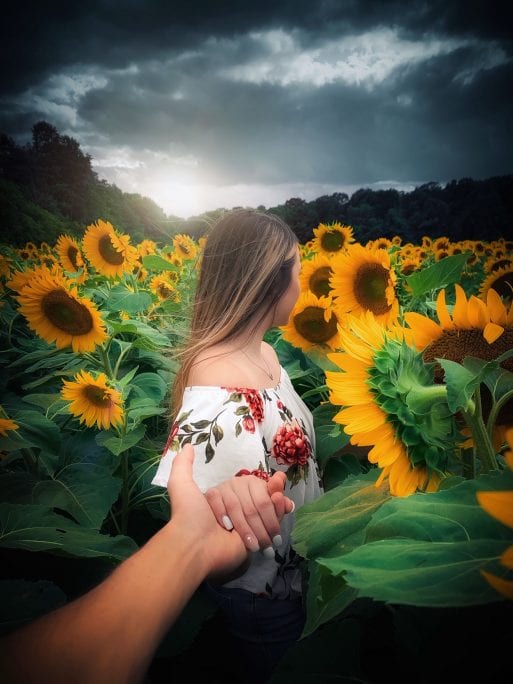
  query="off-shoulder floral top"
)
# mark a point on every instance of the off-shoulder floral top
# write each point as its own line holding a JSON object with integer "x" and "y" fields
{"x": 237, "y": 431}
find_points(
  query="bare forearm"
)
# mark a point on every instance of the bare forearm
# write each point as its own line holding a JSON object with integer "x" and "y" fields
{"x": 130, "y": 611}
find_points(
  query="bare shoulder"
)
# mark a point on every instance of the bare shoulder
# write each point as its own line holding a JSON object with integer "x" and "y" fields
{"x": 269, "y": 353}
{"x": 217, "y": 367}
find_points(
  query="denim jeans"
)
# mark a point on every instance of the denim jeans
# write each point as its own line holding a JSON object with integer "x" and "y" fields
{"x": 262, "y": 629}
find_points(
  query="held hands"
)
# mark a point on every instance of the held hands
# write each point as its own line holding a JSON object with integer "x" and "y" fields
{"x": 253, "y": 508}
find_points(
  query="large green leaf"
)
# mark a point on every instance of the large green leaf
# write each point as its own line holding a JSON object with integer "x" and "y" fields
{"x": 420, "y": 573}
{"x": 84, "y": 490}
{"x": 142, "y": 330}
{"x": 117, "y": 445}
{"x": 444, "y": 272}
{"x": 327, "y": 596}
{"x": 329, "y": 436}
{"x": 122, "y": 299}
{"x": 38, "y": 528}
{"x": 153, "y": 262}
{"x": 428, "y": 549}
{"x": 461, "y": 384}
{"x": 149, "y": 385}
{"x": 336, "y": 522}
{"x": 35, "y": 430}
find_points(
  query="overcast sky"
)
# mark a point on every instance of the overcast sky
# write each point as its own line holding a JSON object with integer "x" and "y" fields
{"x": 201, "y": 105}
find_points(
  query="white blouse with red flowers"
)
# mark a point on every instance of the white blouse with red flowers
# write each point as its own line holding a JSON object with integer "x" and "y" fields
{"x": 240, "y": 431}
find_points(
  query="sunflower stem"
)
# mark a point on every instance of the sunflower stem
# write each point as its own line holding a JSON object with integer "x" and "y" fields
{"x": 483, "y": 447}
{"x": 421, "y": 397}
{"x": 118, "y": 362}
{"x": 106, "y": 362}
{"x": 497, "y": 406}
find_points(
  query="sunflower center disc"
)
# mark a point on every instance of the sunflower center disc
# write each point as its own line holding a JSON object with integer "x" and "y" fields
{"x": 370, "y": 287}
{"x": 72, "y": 256}
{"x": 312, "y": 326}
{"x": 503, "y": 285}
{"x": 333, "y": 241}
{"x": 66, "y": 313}
{"x": 319, "y": 282}
{"x": 108, "y": 252}
{"x": 97, "y": 396}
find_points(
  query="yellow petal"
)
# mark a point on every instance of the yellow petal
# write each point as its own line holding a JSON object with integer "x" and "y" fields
{"x": 360, "y": 418}
{"x": 498, "y": 504}
{"x": 442, "y": 312}
{"x": 495, "y": 306}
{"x": 492, "y": 332}
{"x": 477, "y": 312}
{"x": 424, "y": 329}
{"x": 459, "y": 314}
{"x": 502, "y": 586}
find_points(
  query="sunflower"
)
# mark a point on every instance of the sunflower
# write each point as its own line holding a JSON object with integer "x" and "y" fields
{"x": 363, "y": 280}
{"x": 332, "y": 238}
{"x": 500, "y": 506}
{"x": 146, "y": 247}
{"x": 164, "y": 288}
{"x": 185, "y": 247}
{"x": 426, "y": 241}
{"x": 56, "y": 312}
{"x": 441, "y": 243}
{"x": 501, "y": 281}
{"x": 478, "y": 329}
{"x": 441, "y": 254}
{"x": 382, "y": 243}
{"x": 315, "y": 275}
{"x": 19, "y": 279}
{"x": 492, "y": 265}
{"x": 397, "y": 240}
{"x": 93, "y": 401}
{"x": 312, "y": 323}
{"x": 407, "y": 266}
{"x": 110, "y": 254}
{"x": 70, "y": 256}
{"x": 390, "y": 402}
{"x": 6, "y": 424}
{"x": 472, "y": 324}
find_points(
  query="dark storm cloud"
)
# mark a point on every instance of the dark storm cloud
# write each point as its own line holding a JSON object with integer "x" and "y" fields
{"x": 40, "y": 38}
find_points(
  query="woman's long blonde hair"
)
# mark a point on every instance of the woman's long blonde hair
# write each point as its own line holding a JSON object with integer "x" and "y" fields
{"x": 245, "y": 269}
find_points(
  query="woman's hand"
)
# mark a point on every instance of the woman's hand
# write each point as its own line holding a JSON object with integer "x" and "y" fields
{"x": 253, "y": 508}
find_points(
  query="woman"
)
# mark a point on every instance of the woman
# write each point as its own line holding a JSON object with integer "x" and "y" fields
{"x": 234, "y": 402}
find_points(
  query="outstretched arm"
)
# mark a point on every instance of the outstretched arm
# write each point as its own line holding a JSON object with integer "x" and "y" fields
{"x": 109, "y": 635}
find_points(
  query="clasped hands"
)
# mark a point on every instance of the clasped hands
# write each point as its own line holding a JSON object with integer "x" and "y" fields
{"x": 253, "y": 508}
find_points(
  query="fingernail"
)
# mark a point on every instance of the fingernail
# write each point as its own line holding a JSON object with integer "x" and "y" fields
{"x": 293, "y": 507}
{"x": 268, "y": 552}
{"x": 251, "y": 543}
{"x": 227, "y": 523}
{"x": 277, "y": 540}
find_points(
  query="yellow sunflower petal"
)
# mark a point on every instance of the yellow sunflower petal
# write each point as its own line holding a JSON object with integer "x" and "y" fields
{"x": 503, "y": 586}
{"x": 442, "y": 312}
{"x": 498, "y": 504}
{"x": 495, "y": 306}
{"x": 459, "y": 314}
{"x": 424, "y": 329}
{"x": 360, "y": 418}
{"x": 492, "y": 332}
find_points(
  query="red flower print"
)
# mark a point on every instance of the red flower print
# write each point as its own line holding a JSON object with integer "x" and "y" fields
{"x": 253, "y": 400}
{"x": 290, "y": 445}
{"x": 257, "y": 473}
{"x": 248, "y": 424}
{"x": 172, "y": 436}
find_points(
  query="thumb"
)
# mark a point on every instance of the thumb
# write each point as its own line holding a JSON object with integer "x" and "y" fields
{"x": 276, "y": 483}
{"x": 181, "y": 467}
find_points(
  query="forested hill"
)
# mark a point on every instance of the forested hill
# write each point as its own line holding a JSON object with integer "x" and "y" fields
{"x": 49, "y": 187}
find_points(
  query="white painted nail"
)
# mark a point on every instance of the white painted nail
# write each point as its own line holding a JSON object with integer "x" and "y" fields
{"x": 268, "y": 552}
{"x": 293, "y": 507}
{"x": 277, "y": 540}
{"x": 227, "y": 523}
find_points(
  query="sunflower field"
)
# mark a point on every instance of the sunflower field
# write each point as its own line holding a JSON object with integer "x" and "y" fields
{"x": 404, "y": 354}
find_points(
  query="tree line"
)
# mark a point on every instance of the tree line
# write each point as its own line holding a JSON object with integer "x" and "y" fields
{"x": 48, "y": 187}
